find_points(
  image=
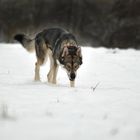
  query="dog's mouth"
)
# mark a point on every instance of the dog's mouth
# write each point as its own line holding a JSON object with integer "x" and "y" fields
{"x": 72, "y": 76}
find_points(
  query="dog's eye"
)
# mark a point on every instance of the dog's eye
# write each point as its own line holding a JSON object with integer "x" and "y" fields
{"x": 76, "y": 67}
{"x": 68, "y": 67}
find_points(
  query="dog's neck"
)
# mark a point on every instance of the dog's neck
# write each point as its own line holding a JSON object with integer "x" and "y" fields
{"x": 71, "y": 50}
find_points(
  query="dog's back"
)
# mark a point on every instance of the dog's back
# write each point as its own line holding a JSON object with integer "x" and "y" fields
{"x": 53, "y": 37}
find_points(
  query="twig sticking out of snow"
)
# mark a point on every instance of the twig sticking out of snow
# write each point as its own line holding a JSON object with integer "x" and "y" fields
{"x": 4, "y": 111}
{"x": 93, "y": 88}
{"x": 4, "y": 114}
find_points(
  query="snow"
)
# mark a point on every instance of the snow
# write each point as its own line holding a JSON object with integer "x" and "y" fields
{"x": 40, "y": 111}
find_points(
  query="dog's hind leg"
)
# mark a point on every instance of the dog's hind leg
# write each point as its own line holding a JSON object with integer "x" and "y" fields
{"x": 37, "y": 70}
{"x": 37, "y": 67}
{"x": 41, "y": 54}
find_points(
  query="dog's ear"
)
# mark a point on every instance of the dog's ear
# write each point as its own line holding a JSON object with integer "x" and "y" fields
{"x": 81, "y": 62}
{"x": 79, "y": 53}
{"x": 19, "y": 38}
{"x": 65, "y": 52}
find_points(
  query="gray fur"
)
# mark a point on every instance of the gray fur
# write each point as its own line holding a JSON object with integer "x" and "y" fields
{"x": 57, "y": 44}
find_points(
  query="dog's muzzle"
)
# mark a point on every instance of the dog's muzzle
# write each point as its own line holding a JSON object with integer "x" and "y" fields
{"x": 72, "y": 76}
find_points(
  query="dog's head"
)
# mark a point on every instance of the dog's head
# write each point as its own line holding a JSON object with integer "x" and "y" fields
{"x": 71, "y": 59}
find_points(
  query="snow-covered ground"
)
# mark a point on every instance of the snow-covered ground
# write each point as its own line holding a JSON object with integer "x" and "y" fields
{"x": 40, "y": 111}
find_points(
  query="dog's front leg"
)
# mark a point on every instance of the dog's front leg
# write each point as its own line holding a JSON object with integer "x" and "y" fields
{"x": 55, "y": 71}
{"x": 50, "y": 75}
{"x": 72, "y": 83}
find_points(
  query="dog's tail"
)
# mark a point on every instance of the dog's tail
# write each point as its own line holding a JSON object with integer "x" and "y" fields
{"x": 27, "y": 43}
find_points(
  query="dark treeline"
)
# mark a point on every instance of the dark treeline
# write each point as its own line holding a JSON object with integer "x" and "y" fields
{"x": 110, "y": 23}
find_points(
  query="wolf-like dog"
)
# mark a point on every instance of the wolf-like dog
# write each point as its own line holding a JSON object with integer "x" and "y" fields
{"x": 60, "y": 46}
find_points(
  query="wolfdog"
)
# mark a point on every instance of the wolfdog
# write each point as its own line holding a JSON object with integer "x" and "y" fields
{"x": 61, "y": 48}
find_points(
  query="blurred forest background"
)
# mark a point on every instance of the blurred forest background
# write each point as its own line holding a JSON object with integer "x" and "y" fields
{"x": 110, "y": 23}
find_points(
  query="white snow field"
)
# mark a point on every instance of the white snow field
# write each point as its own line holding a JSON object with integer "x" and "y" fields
{"x": 104, "y": 105}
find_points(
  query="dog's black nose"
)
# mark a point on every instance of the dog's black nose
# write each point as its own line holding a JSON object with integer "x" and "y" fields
{"x": 72, "y": 76}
